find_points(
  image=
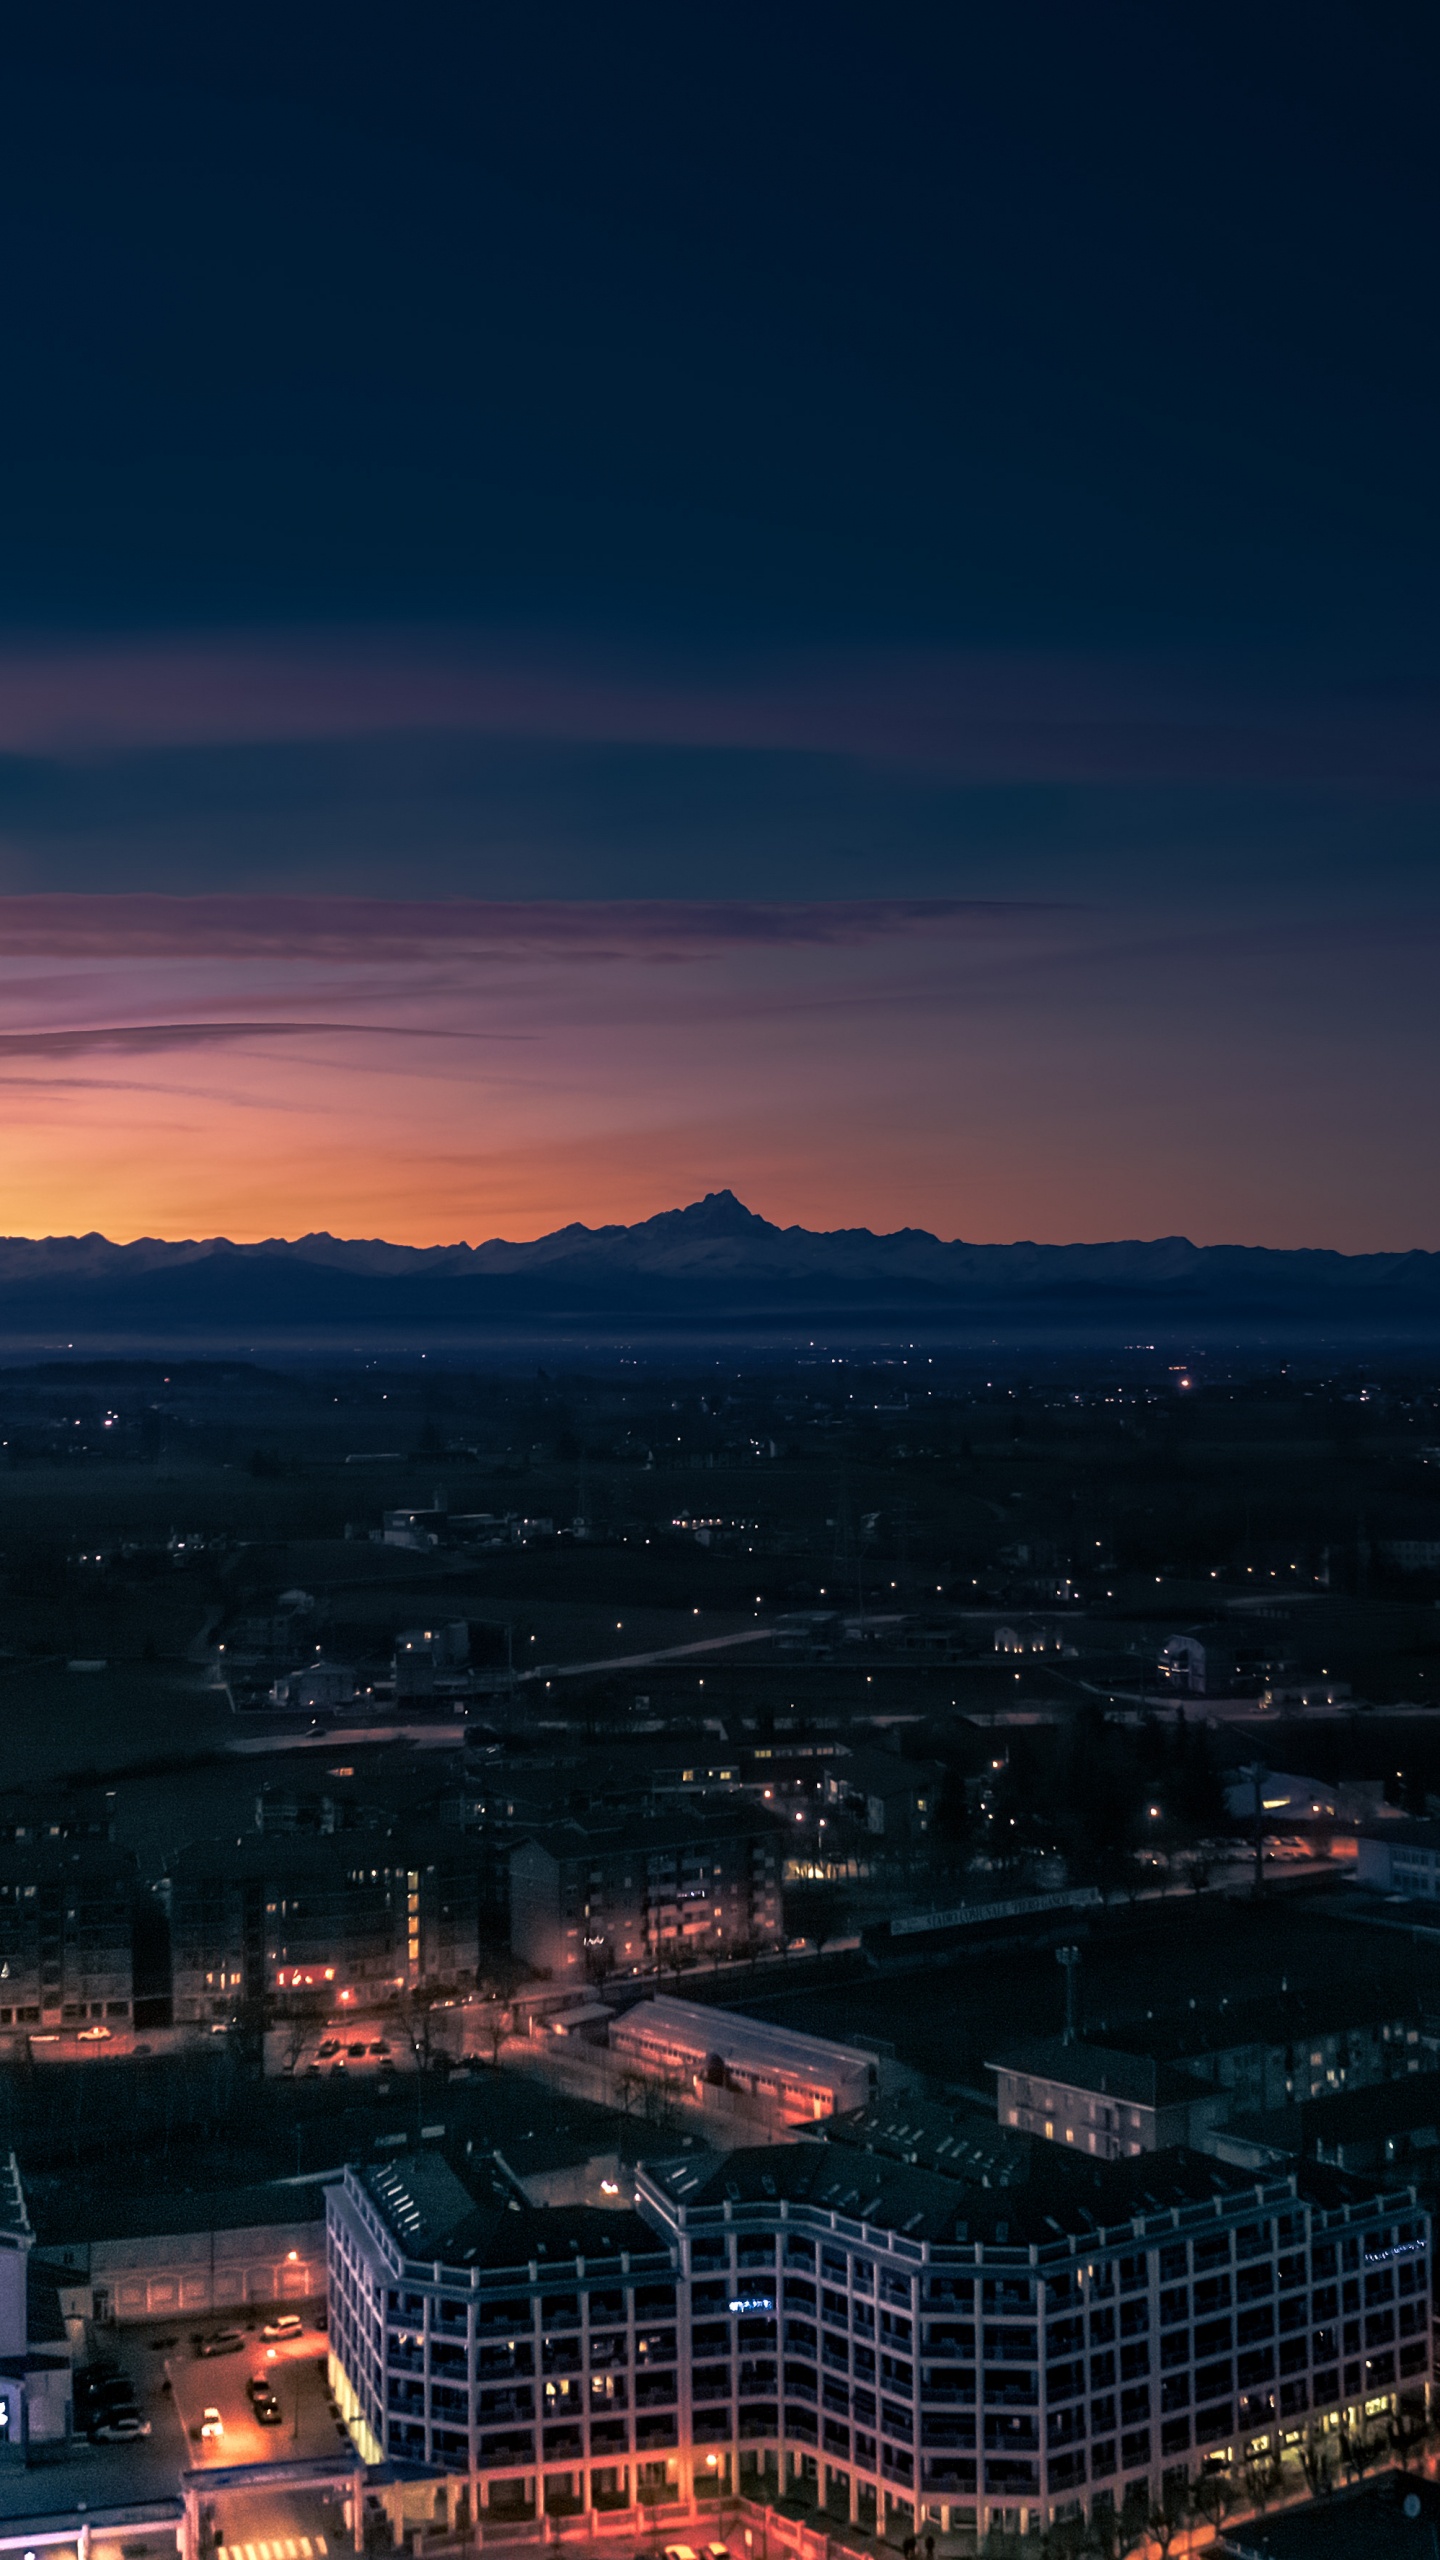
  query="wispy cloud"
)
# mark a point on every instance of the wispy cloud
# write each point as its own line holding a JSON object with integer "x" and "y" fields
{"x": 992, "y": 716}
{"x": 137, "y": 1039}
{"x": 114, "y": 927}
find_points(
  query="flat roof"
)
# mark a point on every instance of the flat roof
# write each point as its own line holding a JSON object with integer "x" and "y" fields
{"x": 280, "y": 2201}
{"x": 1067, "y": 2195}
{"x": 1383, "y": 2519}
{"x": 432, "y": 2213}
{"x": 1135, "y": 2079}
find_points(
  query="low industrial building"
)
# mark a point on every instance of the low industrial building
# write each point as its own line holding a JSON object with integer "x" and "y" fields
{"x": 1400, "y": 1856}
{"x": 791, "y": 2078}
{"x": 151, "y": 2257}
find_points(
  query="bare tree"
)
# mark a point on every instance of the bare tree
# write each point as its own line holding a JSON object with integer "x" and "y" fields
{"x": 1214, "y": 2495}
{"x": 1316, "y": 2465}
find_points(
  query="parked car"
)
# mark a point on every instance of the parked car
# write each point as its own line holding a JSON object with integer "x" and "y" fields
{"x": 122, "y": 2428}
{"x": 288, "y": 2325}
{"x": 101, "y": 2399}
{"x": 212, "y": 2424}
{"x": 220, "y": 2342}
{"x": 269, "y": 2412}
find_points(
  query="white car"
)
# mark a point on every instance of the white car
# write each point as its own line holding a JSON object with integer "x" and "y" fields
{"x": 212, "y": 2424}
{"x": 289, "y": 2325}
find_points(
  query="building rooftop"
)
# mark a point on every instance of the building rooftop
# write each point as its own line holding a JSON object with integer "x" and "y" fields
{"x": 1277, "y": 2018}
{"x": 432, "y": 2213}
{"x": 682, "y": 1826}
{"x": 257, "y": 1856}
{"x": 1403, "y": 1831}
{"x": 955, "y": 2141}
{"x": 1396, "y": 2517}
{"x": 1348, "y": 2115}
{"x": 1066, "y": 2195}
{"x": 65, "y": 2223}
{"x": 1135, "y": 2079}
{"x": 735, "y": 2038}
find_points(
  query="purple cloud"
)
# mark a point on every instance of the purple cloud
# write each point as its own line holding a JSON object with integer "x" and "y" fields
{"x": 982, "y": 716}
{"x": 148, "y": 926}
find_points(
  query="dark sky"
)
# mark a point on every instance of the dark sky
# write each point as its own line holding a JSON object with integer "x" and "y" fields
{"x": 738, "y": 454}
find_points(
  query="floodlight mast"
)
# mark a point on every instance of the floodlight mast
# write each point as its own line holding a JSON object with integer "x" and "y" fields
{"x": 1069, "y": 1957}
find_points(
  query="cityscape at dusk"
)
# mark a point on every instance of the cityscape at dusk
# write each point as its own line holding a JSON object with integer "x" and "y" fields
{"x": 719, "y": 1282}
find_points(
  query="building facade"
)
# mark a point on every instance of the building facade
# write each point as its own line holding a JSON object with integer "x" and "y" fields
{"x": 66, "y": 1936}
{"x": 1111, "y": 2106}
{"x": 881, "y": 2343}
{"x": 345, "y": 1921}
{"x": 590, "y": 1898}
{"x": 1403, "y": 1857}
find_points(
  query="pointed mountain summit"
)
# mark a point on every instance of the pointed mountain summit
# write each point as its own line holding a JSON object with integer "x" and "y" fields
{"x": 718, "y": 1214}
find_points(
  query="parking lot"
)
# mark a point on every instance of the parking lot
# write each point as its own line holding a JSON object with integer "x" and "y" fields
{"x": 294, "y": 2368}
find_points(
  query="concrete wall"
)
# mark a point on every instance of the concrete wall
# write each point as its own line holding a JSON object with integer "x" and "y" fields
{"x": 199, "y": 2271}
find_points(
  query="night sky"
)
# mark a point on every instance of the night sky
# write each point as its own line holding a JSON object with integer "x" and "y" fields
{"x": 602, "y": 601}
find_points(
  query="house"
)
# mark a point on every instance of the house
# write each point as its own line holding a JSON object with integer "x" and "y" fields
{"x": 316, "y": 1685}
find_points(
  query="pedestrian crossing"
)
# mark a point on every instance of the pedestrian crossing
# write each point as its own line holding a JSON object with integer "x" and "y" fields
{"x": 302, "y": 2546}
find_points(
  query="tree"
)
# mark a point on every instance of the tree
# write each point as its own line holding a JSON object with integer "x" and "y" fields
{"x": 1262, "y": 2478}
{"x": 1166, "y": 2519}
{"x": 1408, "y": 2430}
{"x": 1358, "y": 2449}
{"x": 1214, "y": 2495}
{"x": 1316, "y": 2465}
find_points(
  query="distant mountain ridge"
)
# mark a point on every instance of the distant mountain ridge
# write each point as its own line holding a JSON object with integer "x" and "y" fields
{"x": 714, "y": 1260}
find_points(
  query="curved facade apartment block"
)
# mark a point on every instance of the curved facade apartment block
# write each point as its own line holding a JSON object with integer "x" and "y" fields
{"x": 882, "y": 2341}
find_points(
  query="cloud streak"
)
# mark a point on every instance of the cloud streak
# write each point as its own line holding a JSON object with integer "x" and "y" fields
{"x": 992, "y": 716}
{"x": 152, "y": 926}
{"x": 138, "y": 1039}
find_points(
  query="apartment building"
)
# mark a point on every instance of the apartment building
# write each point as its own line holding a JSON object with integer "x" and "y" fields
{"x": 508, "y": 2348}
{"x": 338, "y": 1922}
{"x": 789, "y": 2077}
{"x": 1109, "y": 2105}
{"x": 890, "y": 2347}
{"x": 593, "y": 1897}
{"x": 67, "y": 1913}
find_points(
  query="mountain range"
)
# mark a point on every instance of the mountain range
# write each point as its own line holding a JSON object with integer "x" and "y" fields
{"x": 714, "y": 1263}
